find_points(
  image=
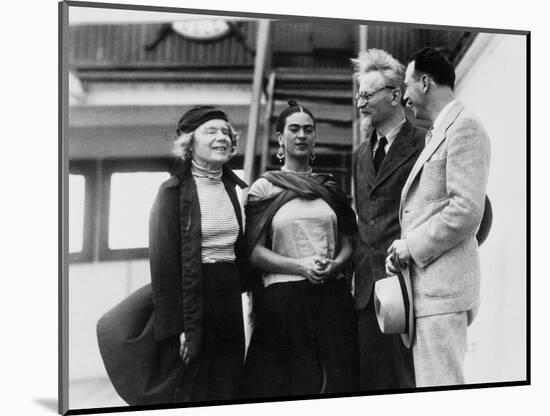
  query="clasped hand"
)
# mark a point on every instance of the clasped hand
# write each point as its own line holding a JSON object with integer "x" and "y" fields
{"x": 316, "y": 268}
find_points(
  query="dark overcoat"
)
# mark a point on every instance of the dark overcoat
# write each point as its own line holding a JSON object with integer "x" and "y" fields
{"x": 139, "y": 338}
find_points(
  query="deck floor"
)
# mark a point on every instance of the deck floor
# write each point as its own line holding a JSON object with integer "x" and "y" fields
{"x": 93, "y": 393}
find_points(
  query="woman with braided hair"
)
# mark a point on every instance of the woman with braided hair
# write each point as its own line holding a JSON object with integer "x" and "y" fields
{"x": 300, "y": 229}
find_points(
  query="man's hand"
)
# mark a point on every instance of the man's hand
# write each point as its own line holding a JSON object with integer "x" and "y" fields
{"x": 399, "y": 251}
{"x": 391, "y": 269}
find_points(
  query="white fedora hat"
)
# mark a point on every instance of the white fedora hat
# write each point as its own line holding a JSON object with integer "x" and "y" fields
{"x": 393, "y": 303}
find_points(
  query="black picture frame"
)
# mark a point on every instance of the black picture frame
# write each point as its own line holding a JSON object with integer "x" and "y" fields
{"x": 87, "y": 167}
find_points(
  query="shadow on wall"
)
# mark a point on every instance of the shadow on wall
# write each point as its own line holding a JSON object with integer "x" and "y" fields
{"x": 50, "y": 404}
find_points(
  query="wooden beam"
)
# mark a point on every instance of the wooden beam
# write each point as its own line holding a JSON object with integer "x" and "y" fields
{"x": 363, "y": 40}
{"x": 264, "y": 158}
{"x": 356, "y": 116}
{"x": 262, "y": 44}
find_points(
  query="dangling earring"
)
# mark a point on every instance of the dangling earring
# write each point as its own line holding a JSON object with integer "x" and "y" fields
{"x": 281, "y": 154}
{"x": 312, "y": 157}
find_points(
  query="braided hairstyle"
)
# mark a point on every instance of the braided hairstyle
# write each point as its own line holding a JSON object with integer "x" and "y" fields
{"x": 293, "y": 107}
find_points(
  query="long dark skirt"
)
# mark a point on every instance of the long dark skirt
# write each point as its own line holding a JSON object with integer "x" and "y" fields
{"x": 304, "y": 341}
{"x": 145, "y": 372}
{"x": 221, "y": 360}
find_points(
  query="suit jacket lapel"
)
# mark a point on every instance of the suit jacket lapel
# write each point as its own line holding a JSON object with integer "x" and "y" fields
{"x": 399, "y": 152}
{"x": 438, "y": 136}
{"x": 365, "y": 163}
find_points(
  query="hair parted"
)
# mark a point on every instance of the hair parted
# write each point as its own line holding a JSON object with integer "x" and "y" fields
{"x": 435, "y": 63}
{"x": 293, "y": 107}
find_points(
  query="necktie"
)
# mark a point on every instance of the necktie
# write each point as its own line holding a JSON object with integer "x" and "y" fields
{"x": 428, "y": 136}
{"x": 380, "y": 153}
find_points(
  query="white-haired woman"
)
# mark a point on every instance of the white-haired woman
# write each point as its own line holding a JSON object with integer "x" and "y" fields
{"x": 196, "y": 249}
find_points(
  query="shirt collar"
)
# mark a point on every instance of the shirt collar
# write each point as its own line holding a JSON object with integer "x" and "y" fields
{"x": 392, "y": 134}
{"x": 443, "y": 113}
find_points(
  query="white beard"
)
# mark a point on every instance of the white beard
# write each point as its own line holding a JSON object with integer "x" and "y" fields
{"x": 365, "y": 128}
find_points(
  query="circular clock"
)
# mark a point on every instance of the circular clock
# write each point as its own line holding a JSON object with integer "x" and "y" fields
{"x": 203, "y": 29}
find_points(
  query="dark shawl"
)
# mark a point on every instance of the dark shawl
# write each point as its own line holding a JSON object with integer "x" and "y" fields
{"x": 260, "y": 212}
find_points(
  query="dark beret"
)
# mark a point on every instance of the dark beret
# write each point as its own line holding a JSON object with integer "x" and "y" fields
{"x": 197, "y": 116}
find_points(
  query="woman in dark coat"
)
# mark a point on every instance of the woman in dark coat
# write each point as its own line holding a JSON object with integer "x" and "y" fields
{"x": 181, "y": 339}
{"x": 300, "y": 228}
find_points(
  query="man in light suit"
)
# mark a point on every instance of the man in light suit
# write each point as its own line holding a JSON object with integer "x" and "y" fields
{"x": 381, "y": 165}
{"x": 441, "y": 208}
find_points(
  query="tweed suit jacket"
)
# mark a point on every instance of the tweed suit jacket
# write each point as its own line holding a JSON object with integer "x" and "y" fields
{"x": 441, "y": 208}
{"x": 377, "y": 198}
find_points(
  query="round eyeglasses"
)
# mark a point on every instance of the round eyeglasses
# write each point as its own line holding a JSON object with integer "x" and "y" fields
{"x": 367, "y": 96}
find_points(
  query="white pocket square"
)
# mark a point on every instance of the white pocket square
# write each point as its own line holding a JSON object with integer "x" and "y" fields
{"x": 434, "y": 157}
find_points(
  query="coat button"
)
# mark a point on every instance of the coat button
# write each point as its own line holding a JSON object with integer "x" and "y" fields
{"x": 371, "y": 222}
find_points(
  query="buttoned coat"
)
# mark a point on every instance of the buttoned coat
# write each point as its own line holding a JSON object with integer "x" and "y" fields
{"x": 377, "y": 198}
{"x": 441, "y": 208}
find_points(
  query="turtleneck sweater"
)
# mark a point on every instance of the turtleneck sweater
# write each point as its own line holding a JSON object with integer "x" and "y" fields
{"x": 219, "y": 225}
